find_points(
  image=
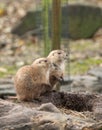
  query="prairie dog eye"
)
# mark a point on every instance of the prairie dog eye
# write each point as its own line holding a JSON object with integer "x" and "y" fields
{"x": 40, "y": 62}
{"x": 45, "y": 60}
{"x": 59, "y": 53}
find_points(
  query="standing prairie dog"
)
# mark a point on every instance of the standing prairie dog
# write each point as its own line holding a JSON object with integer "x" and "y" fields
{"x": 56, "y": 75}
{"x": 32, "y": 80}
{"x": 57, "y": 58}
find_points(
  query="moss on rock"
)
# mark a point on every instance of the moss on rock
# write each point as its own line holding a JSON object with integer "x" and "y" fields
{"x": 78, "y": 21}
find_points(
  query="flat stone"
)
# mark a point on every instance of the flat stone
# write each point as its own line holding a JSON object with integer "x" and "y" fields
{"x": 96, "y": 72}
{"x": 49, "y": 107}
{"x": 7, "y": 90}
{"x": 14, "y": 116}
{"x": 6, "y": 81}
{"x": 83, "y": 84}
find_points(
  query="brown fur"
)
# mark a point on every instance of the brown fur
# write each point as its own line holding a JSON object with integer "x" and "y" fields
{"x": 58, "y": 58}
{"x": 56, "y": 75}
{"x": 30, "y": 81}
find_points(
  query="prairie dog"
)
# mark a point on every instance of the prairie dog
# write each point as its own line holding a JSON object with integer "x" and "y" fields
{"x": 57, "y": 58}
{"x": 32, "y": 80}
{"x": 56, "y": 75}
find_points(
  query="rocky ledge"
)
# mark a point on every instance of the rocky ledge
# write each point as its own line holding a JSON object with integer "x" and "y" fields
{"x": 53, "y": 111}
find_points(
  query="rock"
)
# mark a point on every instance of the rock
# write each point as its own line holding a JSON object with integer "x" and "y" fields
{"x": 97, "y": 108}
{"x": 12, "y": 116}
{"x": 50, "y": 121}
{"x": 17, "y": 116}
{"x": 85, "y": 84}
{"x": 6, "y": 88}
{"x": 6, "y": 81}
{"x": 97, "y": 72}
{"x": 48, "y": 107}
{"x": 97, "y": 126}
{"x": 83, "y": 22}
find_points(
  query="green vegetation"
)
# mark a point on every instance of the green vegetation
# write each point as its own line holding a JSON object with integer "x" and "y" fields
{"x": 82, "y": 66}
{"x": 10, "y": 70}
{"x": 85, "y": 55}
{"x": 84, "y": 46}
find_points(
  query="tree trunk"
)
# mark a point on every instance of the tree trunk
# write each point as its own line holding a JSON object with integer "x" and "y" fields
{"x": 56, "y": 24}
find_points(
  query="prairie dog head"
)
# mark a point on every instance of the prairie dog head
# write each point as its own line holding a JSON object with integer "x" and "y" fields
{"x": 43, "y": 66}
{"x": 42, "y": 63}
{"x": 58, "y": 57}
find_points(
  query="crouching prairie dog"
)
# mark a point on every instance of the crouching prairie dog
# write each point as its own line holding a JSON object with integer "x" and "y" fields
{"x": 57, "y": 58}
{"x": 33, "y": 80}
{"x": 55, "y": 74}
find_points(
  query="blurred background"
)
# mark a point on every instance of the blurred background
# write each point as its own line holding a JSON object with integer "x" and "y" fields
{"x": 30, "y": 29}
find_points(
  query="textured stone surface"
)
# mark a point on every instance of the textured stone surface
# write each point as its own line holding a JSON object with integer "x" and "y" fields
{"x": 97, "y": 72}
{"x": 90, "y": 83}
{"x": 17, "y": 117}
{"x": 83, "y": 22}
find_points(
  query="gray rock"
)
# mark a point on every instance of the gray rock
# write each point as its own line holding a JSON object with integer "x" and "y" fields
{"x": 84, "y": 84}
{"x": 6, "y": 88}
{"x": 18, "y": 117}
{"x": 97, "y": 72}
{"x": 88, "y": 17}
{"x": 49, "y": 107}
